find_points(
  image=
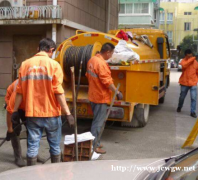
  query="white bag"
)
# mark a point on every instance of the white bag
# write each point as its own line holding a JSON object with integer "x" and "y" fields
{"x": 123, "y": 53}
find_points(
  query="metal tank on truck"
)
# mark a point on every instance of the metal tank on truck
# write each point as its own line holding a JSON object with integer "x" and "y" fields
{"x": 143, "y": 83}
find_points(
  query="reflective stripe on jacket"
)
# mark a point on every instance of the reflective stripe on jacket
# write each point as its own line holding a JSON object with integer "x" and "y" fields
{"x": 40, "y": 78}
{"x": 189, "y": 75}
{"x": 99, "y": 77}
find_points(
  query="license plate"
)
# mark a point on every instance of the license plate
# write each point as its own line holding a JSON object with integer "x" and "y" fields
{"x": 116, "y": 113}
{"x": 81, "y": 109}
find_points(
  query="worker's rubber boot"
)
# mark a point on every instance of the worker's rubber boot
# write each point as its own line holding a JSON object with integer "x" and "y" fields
{"x": 15, "y": 140}
{"x": 55, "y": 158}
{"x": 31, "y": 161}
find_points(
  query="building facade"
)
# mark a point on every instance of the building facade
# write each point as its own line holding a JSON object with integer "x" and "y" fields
{"x": 24, "y": 23}
{"x": 180, "y": 1}
{"x": 139, "y": 13}
{"x": 178, "y": 20}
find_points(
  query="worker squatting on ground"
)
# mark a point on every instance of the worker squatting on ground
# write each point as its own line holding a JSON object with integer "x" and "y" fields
{"x": 100, "y": 88}
{"x": 13, "y": 134}
{"x": 40, "y": 87}
{"x": 188, "y": 81}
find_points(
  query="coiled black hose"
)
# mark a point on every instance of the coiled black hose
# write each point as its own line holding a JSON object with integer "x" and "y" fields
{"x": 74, "y": 56}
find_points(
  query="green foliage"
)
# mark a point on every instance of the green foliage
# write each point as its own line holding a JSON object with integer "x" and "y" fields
{"x": 188, "y": 43}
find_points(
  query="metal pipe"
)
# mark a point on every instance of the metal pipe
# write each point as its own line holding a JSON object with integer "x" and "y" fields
{"x": 54, "y": 2}
{"x": 54, "y": 37}
{"x": 54, "y": 32}
{"x": 74, "y": 110}
{"x": 54, "y": 25}
{"x": 108, "y": 16}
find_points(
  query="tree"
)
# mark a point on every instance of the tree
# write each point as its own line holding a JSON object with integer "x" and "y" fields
{"x": 188, "y": 43}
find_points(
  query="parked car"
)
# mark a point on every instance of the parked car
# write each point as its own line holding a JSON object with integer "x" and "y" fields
{"x": 173, "y": 64}
{"x": 179, "y": 167}
{"x": 179, "y": 67}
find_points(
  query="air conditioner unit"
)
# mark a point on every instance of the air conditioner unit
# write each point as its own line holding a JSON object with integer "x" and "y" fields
{"x": 12, "y": 3}
{"x": 171, "y": 44}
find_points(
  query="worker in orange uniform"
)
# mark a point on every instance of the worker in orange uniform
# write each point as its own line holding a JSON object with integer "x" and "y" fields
{"x": 13, "y": 135}
{"x": 14, "y": 130}
{"x": 188, "y": 81}
{"x": 40, "y": 86}
{"x": 100, "y": 87}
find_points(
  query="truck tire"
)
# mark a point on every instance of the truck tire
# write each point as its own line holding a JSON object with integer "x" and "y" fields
{"x": 140, "y": 116}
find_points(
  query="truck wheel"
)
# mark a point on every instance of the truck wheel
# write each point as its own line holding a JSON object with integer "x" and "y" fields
{"x": 140, "y": 116}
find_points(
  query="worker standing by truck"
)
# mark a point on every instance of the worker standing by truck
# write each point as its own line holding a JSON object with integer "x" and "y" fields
{"x": 40, "y": 86}
{"x": 100, "y": 87}
{"x": 188, "y": 81}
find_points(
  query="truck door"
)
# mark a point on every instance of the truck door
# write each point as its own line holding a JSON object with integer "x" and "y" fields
{"x": 142, "y": 87}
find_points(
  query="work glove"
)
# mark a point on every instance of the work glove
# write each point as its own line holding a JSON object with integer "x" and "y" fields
{"x": 119, "y": 96}
{"x": 70, "y": 120}
{"x": 9, "y": 135}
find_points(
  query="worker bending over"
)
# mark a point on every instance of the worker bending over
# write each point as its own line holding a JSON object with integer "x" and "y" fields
{"x": 13, "y": 135}
{"x": 40, "y": 86}
{"x": 100, "y": 87}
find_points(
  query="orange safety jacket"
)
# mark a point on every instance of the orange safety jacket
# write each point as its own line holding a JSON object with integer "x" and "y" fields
{"x": 99, "y": 78}
{"x": 40, "y": 78}
{"x": 189, "y": 75}
{"x": 10, "y": 97}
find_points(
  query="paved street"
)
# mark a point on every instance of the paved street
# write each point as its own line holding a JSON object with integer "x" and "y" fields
{"x": 163, "y": 136}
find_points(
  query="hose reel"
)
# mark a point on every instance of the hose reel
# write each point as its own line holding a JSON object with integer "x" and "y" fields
{"x": 73, "y": 57}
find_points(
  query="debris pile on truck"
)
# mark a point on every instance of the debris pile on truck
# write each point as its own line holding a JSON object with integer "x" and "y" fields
{"x": 123, "y": 53}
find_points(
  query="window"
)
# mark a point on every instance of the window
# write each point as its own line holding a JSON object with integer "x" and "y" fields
{"x": 122, "y": 8}
{"x": 169, "y": 18}
{"x": 187, "y": 26}
{"x": 170, "y": 36}
{"x": 129, "y": 8}
{"x": 145, "y": 8}
{"x": 187, "y": 13}
{"x": 134, "y": 8}
{"x": 162, "y": 17}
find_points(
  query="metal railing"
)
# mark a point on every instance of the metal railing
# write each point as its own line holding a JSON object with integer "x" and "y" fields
{"x": 31, "y": 12}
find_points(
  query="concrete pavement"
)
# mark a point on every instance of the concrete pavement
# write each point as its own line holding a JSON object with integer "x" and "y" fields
{"x": 162, "y": 137}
